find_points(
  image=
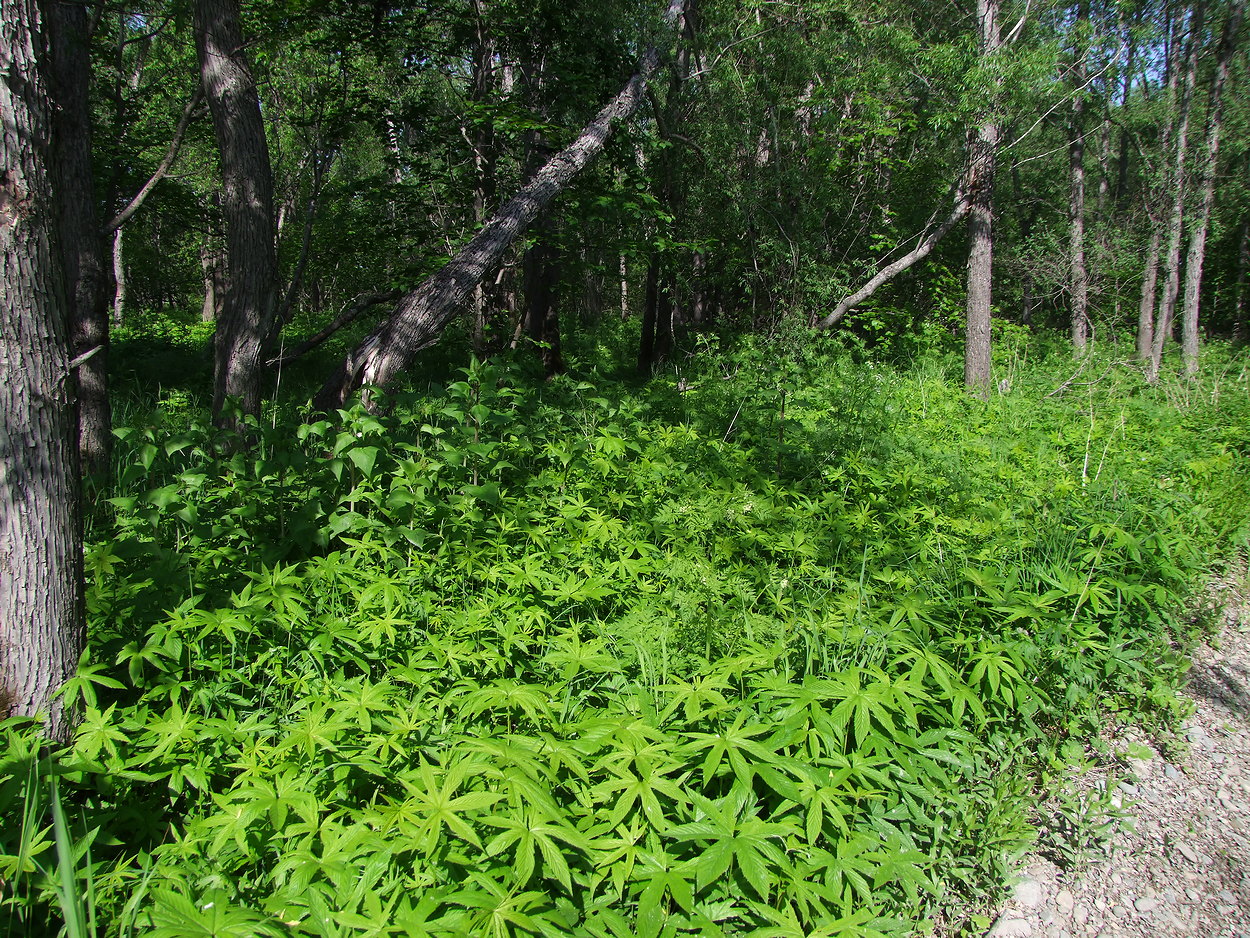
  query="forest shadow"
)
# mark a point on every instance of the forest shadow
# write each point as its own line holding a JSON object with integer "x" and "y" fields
{"x": 1225, "y": 684}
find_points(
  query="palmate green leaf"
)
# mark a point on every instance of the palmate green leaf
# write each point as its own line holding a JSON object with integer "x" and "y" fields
{"x": 732, "y": 835}
{"x": 615, "y": 856}
{"x": 639, "y": 787}
{"x": 571, "y": 655}
{"x": 501, "y": 910}
{"x": 736, "y": 743}
{"x": 336, "y": 852}
{"x": 434, "y": 805}
{"x": 317, "y": 730}
{"x": 663, "y": 879}
{"x": 99, "y": 732}
{"x": 212, "y": 915}
{"x": 787, "y": 923}
{"x": 906, "y": 866}
{"x": 509, "y": 695}
{"x": 527, "y": 838}
{"x": 699, "y": 698}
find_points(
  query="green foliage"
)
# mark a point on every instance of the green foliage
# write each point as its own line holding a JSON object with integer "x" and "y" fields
{"x": 711, "y": 660}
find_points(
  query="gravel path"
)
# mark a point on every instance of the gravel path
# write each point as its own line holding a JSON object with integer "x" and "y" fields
{"x": 1181, "y": 869}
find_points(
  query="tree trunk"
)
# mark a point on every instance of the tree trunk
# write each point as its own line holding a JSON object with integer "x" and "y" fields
{"x": 1149, "y": 286}
{"x": 484, "y": 155}
{"x": 656, "y": 340}
{"x": 623, "y": 274}
{"x": 1078, "y": 277}
{"x": 1198, "y": 230}
{"x": 1166, "y": 309}
{"x": 1121, "y": 182}
{"x": 1241, "y": 328}
{"x": 542, "y": 317}
{"x": 981, "y": 225}
{"x": 421, "y": 315}
{"x": 81, "y": 244}
{"x": 208, "y": 269}
{"x": 248, "y": 314}
{"x": 41, "y": 611}
{"x": 119, "y": 279}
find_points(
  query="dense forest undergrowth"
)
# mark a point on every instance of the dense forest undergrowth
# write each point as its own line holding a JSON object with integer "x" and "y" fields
{"x": 786, "y": 641}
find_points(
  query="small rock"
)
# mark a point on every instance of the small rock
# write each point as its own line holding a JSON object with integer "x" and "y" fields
{"x": 1065, "y": 902}
{"x": 1225, "y": 895}
{"x": 1187, "y": 852}
{"x": 1193, "y": 895}
{"x": 1080, "y": 915}
{"x": 1012, "y": 928}
{"x": 1172, "y": 772}
{"x": 1029, "y": 893}
{"x": 1146, "y": 904}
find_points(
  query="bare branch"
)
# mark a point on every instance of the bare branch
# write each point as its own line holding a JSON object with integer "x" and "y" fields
{"x": 351, "y": 312}
{"x": 171, "y": 154}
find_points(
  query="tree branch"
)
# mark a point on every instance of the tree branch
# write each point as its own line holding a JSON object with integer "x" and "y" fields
{"x": 171, "y": 154}
{"x": 351, "y": 312}
{"x": 927, "y": 242}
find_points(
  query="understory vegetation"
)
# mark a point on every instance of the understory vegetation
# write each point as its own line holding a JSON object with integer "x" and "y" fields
{"x": 788, "y": 641}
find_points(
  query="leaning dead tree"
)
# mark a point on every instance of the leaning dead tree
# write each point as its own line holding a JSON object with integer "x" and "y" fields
{"x": 929, "y": 239}
{"x": 421, "y": 315}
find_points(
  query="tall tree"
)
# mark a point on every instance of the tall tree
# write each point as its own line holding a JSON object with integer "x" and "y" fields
{"x": 81, "y": 244}
{"x": 1171, "y": 258}
{"x": 1210, "y": 160}
{"x": 1078, "y": 275}
{"x": 249, "y": 309}
{"x": 41, "y": 615}
{"x": 981, "y": 219}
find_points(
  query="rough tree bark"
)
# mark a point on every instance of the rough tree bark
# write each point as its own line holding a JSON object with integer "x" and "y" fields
{"x": 1078, "y": 276}
{"x": 249, "y": 308}
{"x": 1149, "y": 287}
{"x": 981, "y": 224}
{"x": 81, "y": 245}
{"x": 119, "y": 278}
{"x": 420, "y": 316}
{"x": 1171, "y": 257}
{"x": 1198, "y": 230}
{"x": 41, "y": 616}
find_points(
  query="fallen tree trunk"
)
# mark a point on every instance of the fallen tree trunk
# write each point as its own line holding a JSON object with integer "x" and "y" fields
{"x": 423, "y": 312}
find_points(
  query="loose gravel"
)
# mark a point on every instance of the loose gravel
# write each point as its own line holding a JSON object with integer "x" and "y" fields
{"x": 1181, "y": 868}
